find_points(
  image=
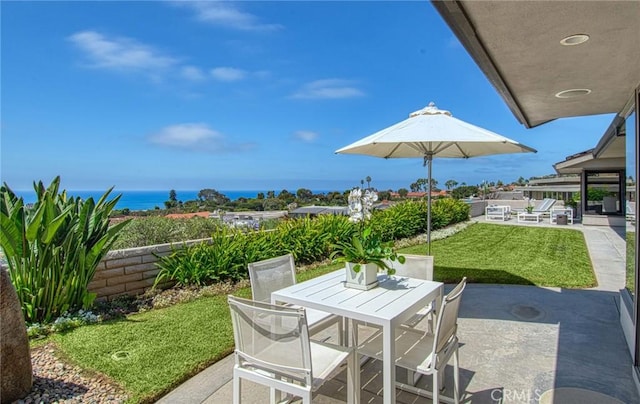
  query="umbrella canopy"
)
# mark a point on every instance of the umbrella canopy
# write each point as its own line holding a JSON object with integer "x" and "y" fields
{"x": 432, "y": 132}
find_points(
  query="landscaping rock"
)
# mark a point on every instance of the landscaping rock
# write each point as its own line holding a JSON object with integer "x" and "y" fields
{"x": 15, "y": 378}
{"x": 56, "y": 381}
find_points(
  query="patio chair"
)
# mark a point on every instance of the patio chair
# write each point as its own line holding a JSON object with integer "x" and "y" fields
{"x": 273, "y": 349}
{"x": 417, "y": 267}
{"x": 277, "y": 273}
{"x": 426, "y": 353}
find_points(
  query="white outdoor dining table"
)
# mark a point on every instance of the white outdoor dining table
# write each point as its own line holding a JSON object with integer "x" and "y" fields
{"x": 394, "y": 301}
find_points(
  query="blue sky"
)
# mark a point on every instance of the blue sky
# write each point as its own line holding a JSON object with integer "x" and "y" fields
{"x": 243, "y": 95}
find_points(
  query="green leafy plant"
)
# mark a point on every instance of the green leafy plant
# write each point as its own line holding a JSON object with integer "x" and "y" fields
{"x": 53, "y": 248}
{"x": 365, "y": 246}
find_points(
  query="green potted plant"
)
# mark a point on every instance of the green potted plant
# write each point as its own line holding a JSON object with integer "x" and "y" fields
{"x": 365, "y": 254}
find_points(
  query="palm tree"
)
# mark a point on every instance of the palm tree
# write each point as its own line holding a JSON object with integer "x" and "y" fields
{"x": 450, "y": 184}
{"x": 368, "y": 179}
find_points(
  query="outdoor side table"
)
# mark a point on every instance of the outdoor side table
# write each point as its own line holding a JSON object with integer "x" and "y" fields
{"x": 562, "y": 216}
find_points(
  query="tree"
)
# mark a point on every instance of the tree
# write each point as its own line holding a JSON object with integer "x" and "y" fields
{"x": 521, "y": 181}
{"x": 362, "y": 183}
{"x": 422, "y": 184}
{"x": 173, "y": 197}
{"x": 260, "y": 195}
{"x": 304, "y": 194}
{"x": 271, "y": 194}
{"x": 368, "y": 179}
{"x": 403, "y": 192}
{"x": 450, "y": 184}
{"x": 499, "y": 184}
{"x": 384, "y": 195}
{"x": 211, "y": 195}
{"x": 434, "y": 184}
{"x": 464, "y": 191}
{"x": 274, "y": 204}
{"x": 286, "y": 196}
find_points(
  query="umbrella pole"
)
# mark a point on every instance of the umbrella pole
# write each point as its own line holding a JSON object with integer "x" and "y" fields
{"x": 428, "y": 159}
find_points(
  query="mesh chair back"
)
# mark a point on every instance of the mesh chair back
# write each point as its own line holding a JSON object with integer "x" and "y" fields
{"x": 447, "y": 323}
{"x": 415, "y": 266}
{"x": 270, "y": 275}
{"x": 271, "y": 339}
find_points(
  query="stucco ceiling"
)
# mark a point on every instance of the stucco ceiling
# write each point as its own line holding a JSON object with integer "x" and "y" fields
{"x": 517, "y": 45}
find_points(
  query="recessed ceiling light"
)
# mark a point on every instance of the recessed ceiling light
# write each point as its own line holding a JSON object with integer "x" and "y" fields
{"x": 574, "y": 92}
{"x": 575, "y": 39}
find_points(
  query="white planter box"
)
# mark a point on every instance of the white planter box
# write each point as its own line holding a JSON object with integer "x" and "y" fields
{"x": 365, "y": 279}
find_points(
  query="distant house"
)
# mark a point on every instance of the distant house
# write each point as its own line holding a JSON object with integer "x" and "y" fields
{"x": 413, "y": 195}
{"x": 187, "y": 215}
{"x": 313, "y": 211}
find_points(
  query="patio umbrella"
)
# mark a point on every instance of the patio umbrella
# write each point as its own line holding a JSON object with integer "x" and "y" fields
{"x": 431, "y": 132}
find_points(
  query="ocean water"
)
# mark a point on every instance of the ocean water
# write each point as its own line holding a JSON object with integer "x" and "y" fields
{"x": 148, "y": 200}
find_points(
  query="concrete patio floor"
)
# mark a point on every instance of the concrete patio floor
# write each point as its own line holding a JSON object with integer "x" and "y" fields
{"x": 517, "y": 342}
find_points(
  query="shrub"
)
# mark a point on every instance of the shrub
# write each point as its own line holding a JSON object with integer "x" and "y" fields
{"x": 153, "y": 230}
{"x": 309, "y": 240}
{"x": 53, "y": 248}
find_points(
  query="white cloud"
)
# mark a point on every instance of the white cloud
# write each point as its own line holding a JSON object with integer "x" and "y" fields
{"x": 120, "y": 53}
{"x": 192, "y": 73}
{"x": 226, "y": 14}
{"x": 306, "y": 135}
{"x": 328, "y": 89}
{"x": 228, "y": 74}
{"x": 196, "y": 136}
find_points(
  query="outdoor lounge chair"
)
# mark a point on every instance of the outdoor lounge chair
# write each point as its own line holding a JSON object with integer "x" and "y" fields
{"x": 277, "y": 273}
{"x": 630, "y": 211}
{"x": 426, "y": 353}
{"x": 543, "y": 207}
{"x": 273, "y": 349}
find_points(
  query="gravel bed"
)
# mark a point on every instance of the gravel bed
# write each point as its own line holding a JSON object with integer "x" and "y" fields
{"x": 55, "y": 381}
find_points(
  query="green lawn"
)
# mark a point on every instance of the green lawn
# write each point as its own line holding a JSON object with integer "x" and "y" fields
{"x": 167, "y": 346}
{"x": 631, "y": 249}
{"x": 489, "y": 253}
{"x": 164, "y": 346}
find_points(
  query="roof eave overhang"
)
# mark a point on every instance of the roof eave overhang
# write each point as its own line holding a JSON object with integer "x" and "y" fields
{"x": 456, "y": 18}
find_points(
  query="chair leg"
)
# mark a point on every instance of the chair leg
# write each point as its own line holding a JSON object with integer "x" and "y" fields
{"x": 436, "y": 387}
{"x": 275, "y": 395}
{"x": 342, "y": 338}
{"x": 456, "y": 377}
{"x": 237, "y": 389}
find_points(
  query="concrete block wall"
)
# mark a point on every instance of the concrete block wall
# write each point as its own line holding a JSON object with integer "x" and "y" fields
{"x": 477, "y": 208}
{"x": 131, "y": 271}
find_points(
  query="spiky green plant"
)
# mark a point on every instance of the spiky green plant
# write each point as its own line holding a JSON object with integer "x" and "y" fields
{"x": 53, "y": 247}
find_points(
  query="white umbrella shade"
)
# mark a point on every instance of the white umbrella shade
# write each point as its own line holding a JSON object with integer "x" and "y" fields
{"x": 431, "y": 132}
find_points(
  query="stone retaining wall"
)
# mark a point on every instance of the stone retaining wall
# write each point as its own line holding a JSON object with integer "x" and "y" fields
{"x": 130, "y": 271}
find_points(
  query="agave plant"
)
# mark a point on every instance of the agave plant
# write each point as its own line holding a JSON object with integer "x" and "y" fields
{"x": 54, "y": 247}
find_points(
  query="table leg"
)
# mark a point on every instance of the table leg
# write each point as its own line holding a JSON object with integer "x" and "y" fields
{"x": 389, "y": 364}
